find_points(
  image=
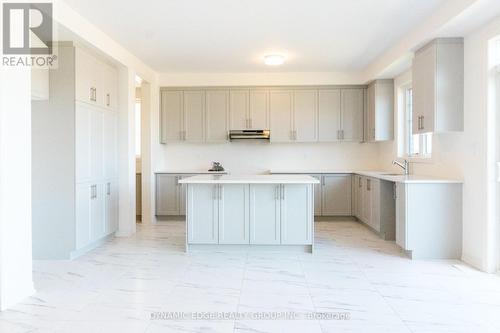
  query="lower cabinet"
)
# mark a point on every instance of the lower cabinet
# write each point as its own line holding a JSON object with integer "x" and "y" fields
{"x": 429, "y": 220}
{"x": 170, "y": 195}
{"x": 96, "y": 212}
{"x": 234, "y": 214}
{"x": 265, "y": 214}
{"x": 296, "y": 214}
{"x": 336, "y": 195}
{"x": 203, "y": 217}
{"x": 262, "y": 214}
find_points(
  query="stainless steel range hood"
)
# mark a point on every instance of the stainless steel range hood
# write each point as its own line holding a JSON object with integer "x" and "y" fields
{"x": 249, "y": 134}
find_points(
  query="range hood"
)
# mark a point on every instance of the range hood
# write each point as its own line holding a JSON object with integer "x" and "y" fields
{"x": 249, "y": 134}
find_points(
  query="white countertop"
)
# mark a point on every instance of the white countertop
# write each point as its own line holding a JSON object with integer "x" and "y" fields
{"x": 191, "y": 172}
{"x": 250, "y": 179}
{"x": 384, "y": 175}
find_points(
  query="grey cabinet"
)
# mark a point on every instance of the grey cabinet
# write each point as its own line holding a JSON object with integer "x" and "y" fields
{"x": 336, "y": 195}
{"x": 249, "y": 109}
{"x": 305, "y": 116}
{"x": 351, "y": 121}
{"x": 194, "y": 116}
{"x": 329, "y": 109}
{"x": 234, "y": 214}
{"x": 429, "y": 220}
{"x": 265, "y": 214}
{"x": 167, "y": 195}
{"x": 203, "y": 217}
{"x": 217, "y": 115}
{"x": 296, "y": 214}
{"x": 438, "y": 86}
{"x": 380, "y": 111}
{"x": 172, "y": 113}
{"x": 281, "y": 114}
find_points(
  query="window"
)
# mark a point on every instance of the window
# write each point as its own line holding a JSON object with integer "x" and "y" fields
{"x": 416, "y": 145}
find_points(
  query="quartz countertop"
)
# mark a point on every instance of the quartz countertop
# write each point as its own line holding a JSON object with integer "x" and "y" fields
{"x": 191, "y": 172}
{"x": 384, "y": 175}
{"x": 250, "y": 179}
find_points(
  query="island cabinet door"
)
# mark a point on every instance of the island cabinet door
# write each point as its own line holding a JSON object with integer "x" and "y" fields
{"x": 234, "y": 214}
{"x": 202, "y": 214}
{"x": 265, "y": 214}
{"x": 296, "y": 214}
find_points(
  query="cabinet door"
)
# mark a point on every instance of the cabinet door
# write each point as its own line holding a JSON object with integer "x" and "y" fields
{"x": 182, "y": 194}
{"x": 84, "y": 72}
{"x": 424, "y": 85}
{"x": 305, "y": 115}
{"x": 370, "y": 113}
{"x": 97, "y": 143}
{"x": 111, "y": 207}
{"x": 97, "y": 213}
{"x": 401, "y": 215}
{"x": 238, "y": 109}
{"x": 317, "y": 195}
{"x": 167, "y": 195}
{"x": 82, "y": 215}
{"x": 265, "y": 214}
{"x": 360, "y": 197}
{"x": 194, "y": 116}
{"x": 352, "y": 114}
{"x": 171, "y": 116}
{"x": 259, "y": 109}
{"x": 296, "y": 214}
{"x": 281, "y": 115}
{"x": 108, "y": 86}
{"x": 367, "y": 201}
{"x": 336, "y": 195}
{"x": 234, "y": 214}
{"x": 110, "y": 146}
{"x": 217, "y": 114}
{"x": 329, "y": 115}
{"x": 375, "y": 202}
{"x": 82, "y": 143}
{"x": 202, "y": 217}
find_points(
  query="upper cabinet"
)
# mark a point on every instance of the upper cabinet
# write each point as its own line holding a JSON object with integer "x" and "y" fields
{"x": 249, "y": 109}
{"x": 380, "y": 111}
{"x": 295, "y": 114}
{"x": 438, "y": 86}
{"x": 96, "y": 81}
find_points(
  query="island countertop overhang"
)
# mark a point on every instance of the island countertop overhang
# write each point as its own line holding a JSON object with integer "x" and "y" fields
{"x": 250, "y": 179}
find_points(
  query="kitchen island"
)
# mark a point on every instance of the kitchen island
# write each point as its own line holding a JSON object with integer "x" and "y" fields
{"x": 254, "y": 211}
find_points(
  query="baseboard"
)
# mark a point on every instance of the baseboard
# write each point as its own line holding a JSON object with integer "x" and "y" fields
{"x": 75, "y": 254}
{"x": 334, "y": 218}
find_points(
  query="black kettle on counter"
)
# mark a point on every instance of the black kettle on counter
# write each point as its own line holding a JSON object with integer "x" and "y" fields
{"x": 216, "y": 166}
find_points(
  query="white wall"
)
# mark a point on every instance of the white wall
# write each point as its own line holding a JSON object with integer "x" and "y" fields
{"x": 15, "y": 186}
{"x": 464, "y": 155}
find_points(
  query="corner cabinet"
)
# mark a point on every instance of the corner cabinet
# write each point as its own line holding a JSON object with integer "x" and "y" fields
{"x": 380, "y": 111}
{"x": 438, "y": 87}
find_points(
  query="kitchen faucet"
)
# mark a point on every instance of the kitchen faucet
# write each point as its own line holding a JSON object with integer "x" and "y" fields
{"x": 405, "y": 165}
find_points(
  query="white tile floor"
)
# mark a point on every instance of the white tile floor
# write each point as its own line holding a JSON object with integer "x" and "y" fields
{"x": 116, "y": 287}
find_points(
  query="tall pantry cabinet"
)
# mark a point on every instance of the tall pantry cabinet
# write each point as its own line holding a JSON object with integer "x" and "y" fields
{"x": 75, "y": 168}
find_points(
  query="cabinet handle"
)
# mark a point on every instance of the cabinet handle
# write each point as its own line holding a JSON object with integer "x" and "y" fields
{"x": 295, "y": 135}
{"x": 108, "y": 99}
{"x": 108, "y": 188}
{"x": 418, "y": 123}
{"x": 368, "y": 185}
{"x": 359, "y": 182}
{"x": 342, "y": 133}
{"x": 323, "y": 180}
{"x": 422, "y": 122}
{"x": 91, "y": 95}
{"x": 283, "y": 191}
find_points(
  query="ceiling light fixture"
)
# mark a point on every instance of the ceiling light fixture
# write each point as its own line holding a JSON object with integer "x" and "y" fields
{"x": 274, "y": 60}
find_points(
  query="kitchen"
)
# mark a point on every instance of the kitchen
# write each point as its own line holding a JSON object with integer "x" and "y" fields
{"x": 253, "y": 166}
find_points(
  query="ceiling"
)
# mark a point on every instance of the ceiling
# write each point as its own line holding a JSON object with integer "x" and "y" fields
{"x": 234, "y": 35}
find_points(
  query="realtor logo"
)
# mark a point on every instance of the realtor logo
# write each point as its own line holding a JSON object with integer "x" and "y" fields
{"x": 27, "y": 28}
{"x": 28, "y": 35}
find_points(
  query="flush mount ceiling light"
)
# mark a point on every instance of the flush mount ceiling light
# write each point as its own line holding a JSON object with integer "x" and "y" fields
{"x": 274, "y": 60}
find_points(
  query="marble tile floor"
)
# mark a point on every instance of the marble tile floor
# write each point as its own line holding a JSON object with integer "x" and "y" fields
{"x": 116, "y": 288}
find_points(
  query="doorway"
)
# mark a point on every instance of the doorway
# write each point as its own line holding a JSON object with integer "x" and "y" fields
{"x": 138, "y": 155}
